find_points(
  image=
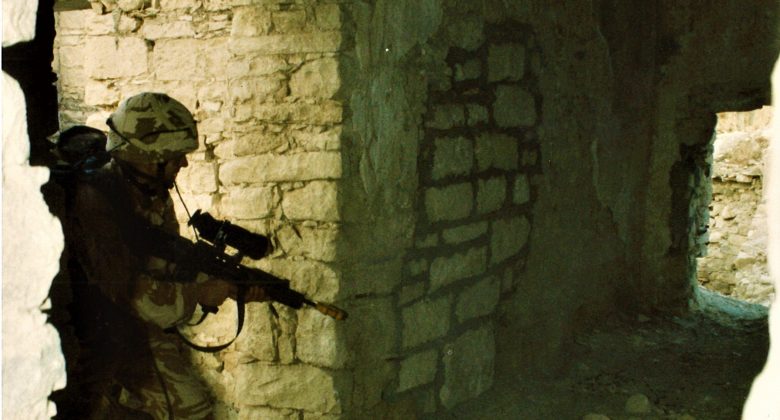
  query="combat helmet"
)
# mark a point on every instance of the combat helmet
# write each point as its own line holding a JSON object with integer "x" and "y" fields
{"x": 151, "y": 127}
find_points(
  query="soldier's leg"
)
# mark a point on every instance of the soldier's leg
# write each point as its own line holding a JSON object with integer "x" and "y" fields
{"x": 177, "y": 387}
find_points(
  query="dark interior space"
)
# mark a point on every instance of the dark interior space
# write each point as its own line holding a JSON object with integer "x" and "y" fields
{"x": 30, "y": 64}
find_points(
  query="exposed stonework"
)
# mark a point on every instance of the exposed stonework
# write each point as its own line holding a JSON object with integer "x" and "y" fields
{"x": 736, "y": 254}
{"x": 472, "y": 180}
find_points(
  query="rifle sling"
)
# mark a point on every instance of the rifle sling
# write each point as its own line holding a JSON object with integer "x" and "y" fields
{"x": 240, "y": 304}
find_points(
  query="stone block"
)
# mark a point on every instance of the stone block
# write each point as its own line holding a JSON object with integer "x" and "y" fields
{"x": 428, "y": 241}
{"x": 417, "y": 267}
{"x": 315, "y": 279}
{"x": 411, "y": 293}
{"x": 258, "y": 338}
{"x": 72, "y": 22}
{"x": 248, "y": 203}
{"x": 257, "y": 89}
{"x": 464, "y": 233}
{"x": 418, "y": 369}
{"x": 467, "y": 32}
{"x": 321, "y": 42}
{"x": 509, "y": 236}
{"x": 468, "y": 366}
{"x": 108, "y": 57}
{"x": 318, "y": 78}
{"x": 498, "y": 151}
{"x": 72, "y": 79}
{"x": 213, "y": 59}
{"x": 452, "y": 156}
{"x": 529, "y": 157}
{"x": 106, "y": 25}
{"x": 198, "y": 178}
{"x": 372, "y": 278}
{"x": 477, "y": 300}
{"x": 250, "y": 21}
{"x": 491, "y": 194}
{"x": 476, "y": 114}
{"x": 317, "y": 244}
{"x": 469, "y": 70}
{"x": 514, "y": 107}
{"x": 269, "y": 168}
{"x": 447, "y": 116}
{"x": 449, "y": 203}
{"x": 214, "y": 125}
{"x": 323, "y": 113}
{"x": 328, "y": 16}
{"x": 449, "y": 269}
{"x": 313, "y": 139}
{"x": 318, "y": 341}
{"x": 178, "y": 4}
{"x": 425, "y": 321}
{"x": 288, "y": 21}
{"x": 217, "y": 5}
{"x": 506, "y": 62}
{"x": 177, "y": 59}
{"x": 254, "y": 143}
{"x": 96, "y": 93}
{"x": 317, "y": 200}
{"x": 521, "y": 193}
{"x": 71, "y": 57}
{"x": 265, "y": 413}
{"x": 256, "y": 66}
{"x": 296, "y": 386}
{"x": 155, "y": 29}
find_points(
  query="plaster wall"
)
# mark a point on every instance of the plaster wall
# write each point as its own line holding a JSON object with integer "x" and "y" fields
{"x": 33, "y": 365}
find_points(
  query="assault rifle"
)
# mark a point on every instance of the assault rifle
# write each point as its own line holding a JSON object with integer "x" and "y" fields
{"x": 81, "y": 154}
{"x": 207, "y": 255}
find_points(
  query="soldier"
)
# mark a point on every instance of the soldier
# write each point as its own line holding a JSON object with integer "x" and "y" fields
{"x": 151, "y": 133}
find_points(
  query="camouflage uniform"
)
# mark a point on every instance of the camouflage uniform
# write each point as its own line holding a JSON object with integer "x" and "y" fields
{"x": 136, "y": 283}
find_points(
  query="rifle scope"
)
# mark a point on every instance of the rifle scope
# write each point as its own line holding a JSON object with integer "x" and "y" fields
{"x": 222, "y": 232}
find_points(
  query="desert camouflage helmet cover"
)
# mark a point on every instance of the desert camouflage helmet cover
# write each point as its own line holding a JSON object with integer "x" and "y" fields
{"x": 151, "y": 127}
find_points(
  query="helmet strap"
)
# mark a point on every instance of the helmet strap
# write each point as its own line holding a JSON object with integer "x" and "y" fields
{"x": 149, "y": 184}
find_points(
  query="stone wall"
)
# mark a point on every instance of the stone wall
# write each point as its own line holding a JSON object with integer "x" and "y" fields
{"x": 736, "y": 259}
{"x": 262, "y": 81}
{"x": 33, "y": 365}
{"x": 474, "y": 181}
{"x": 478, "y": 154}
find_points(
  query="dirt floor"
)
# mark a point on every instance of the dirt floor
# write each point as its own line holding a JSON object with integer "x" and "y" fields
{"x": 698, "y": 366}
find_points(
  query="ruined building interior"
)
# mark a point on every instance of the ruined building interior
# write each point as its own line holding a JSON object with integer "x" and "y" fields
{"x": 509, "y": 197}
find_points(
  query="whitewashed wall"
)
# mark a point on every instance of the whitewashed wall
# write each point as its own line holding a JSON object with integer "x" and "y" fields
{"x": 33, "y": 365}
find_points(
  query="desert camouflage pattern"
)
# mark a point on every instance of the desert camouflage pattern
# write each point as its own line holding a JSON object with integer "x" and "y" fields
{"x": 161, "y": 304}
{"x": 151, "y": 127}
